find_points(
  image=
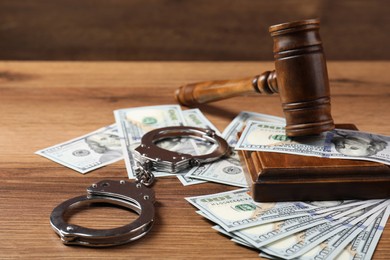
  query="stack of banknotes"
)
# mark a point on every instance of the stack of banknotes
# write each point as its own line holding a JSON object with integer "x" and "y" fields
{"x": 299, "y": 230}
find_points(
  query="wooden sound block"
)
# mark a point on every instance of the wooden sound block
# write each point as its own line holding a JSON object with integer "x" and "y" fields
{"x": 285, "y": 177}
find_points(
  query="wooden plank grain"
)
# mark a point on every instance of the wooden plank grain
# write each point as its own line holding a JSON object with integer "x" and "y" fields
{"x": 183, "y": 30}
{"x": 44, "y": 103}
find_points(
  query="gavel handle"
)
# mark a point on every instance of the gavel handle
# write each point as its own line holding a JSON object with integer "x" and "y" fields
{"x": 205, "y": 92}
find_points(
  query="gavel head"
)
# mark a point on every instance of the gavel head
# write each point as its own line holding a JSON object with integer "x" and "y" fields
{"x": 301, "y": 77}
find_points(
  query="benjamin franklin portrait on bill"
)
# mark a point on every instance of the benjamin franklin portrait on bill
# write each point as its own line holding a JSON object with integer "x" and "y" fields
{"x": 106, "y": 144}
{"x": 359, "y": 146}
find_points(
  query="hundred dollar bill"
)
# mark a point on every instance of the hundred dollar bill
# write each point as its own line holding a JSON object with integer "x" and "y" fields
{"x": 262, "y": 235}
{"x": 299, "y": 243}
{"x": 338, "y": 143}
{"x": 235, "y": 210}
{"x": 88, "y": 152}
{"x": 234, "y": 239}
{"x": 194, "y": 117}
{"x": 239, "y": 122}
{"x": 226, "y": 171}
{"x": 133, "y": 123}
{"x": 218, "y": 228}
{"x": 333, "y": 246}
{"x": 363, "y": 246}
{"x": 242, "y": 242}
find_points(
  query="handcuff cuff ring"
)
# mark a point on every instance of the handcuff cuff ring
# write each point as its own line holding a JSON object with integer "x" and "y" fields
{"x": 150, "y": 156}
{"x": 134, "y": 196}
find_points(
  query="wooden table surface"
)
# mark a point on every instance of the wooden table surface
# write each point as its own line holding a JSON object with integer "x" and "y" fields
{"x": 45, "y": 103}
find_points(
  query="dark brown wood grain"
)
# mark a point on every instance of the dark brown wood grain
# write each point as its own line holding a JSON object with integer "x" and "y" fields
{"x": 184, "y": 30}
{"x": 45, "y": 103}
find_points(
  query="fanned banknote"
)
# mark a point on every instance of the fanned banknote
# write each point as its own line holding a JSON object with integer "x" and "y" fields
{"x": 87, "y": 152}
{"x": 235, "y": 239}
{"x": 338, "y": 143}
{"x": 235, "y": 210}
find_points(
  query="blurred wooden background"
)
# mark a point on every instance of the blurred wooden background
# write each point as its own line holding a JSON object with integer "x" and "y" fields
{"x": 184, "y": 30}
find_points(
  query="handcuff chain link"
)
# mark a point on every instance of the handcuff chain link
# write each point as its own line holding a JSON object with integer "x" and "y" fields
{"x": 143, "y": 173}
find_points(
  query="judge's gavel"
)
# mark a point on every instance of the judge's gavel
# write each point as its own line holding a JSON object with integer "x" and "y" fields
{"x": 300, "y": 77}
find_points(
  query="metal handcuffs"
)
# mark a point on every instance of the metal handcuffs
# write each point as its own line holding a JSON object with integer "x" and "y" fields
{"x": 148, "y": 154}
{"x": 135, "y": 196}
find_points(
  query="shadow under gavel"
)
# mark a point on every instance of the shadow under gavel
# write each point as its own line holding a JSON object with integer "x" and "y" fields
{"x": 300, "y": 77}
